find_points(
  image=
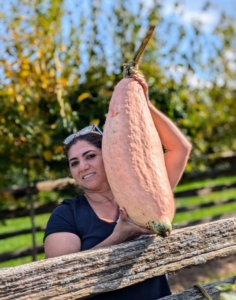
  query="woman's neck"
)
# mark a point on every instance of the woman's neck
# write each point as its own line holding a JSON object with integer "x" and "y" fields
{"x": 102, "y": 197}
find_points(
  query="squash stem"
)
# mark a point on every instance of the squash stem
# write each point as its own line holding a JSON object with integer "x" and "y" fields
{"x": 132, "y": 66}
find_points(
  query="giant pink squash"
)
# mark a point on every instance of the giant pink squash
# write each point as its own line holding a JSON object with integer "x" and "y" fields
{"x": 134, "y": 160}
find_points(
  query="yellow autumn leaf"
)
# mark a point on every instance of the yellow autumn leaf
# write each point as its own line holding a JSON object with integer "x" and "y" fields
{"x": 23, "y": 139}
{"x": 25, "y": 66}
{"x": 58, "y": 149}
{"x": 52, "y": 73}
{"x": 44, "y": 85}
{"x": 37, "y": 69}
{"x": 95, "y": 122}
{"x": 25, "y": 60}
{"x": 188, "y": 168}
{"x": 46, "y": 140}
{"x": 62, "y": 81}
{"x": 83, "y": 96}
{"x": 24, "y": 73}
{"x": 47, "y": 155}
{"x": 21, "y": 107}
{"x": 10, "y": 91}
{"x": 19, "y": 98}
{"x": 14, "y": 36}
{"x": 59, "y": 67}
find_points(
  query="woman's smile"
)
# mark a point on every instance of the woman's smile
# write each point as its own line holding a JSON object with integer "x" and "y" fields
{"x": 88, "y": 176}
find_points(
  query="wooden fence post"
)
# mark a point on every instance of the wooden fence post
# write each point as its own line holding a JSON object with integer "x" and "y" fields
{"x": 32, "y": 220}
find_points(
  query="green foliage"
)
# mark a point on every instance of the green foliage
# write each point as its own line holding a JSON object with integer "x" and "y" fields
{"x": 227, "y": 291}
{"x": 60, "y": 65}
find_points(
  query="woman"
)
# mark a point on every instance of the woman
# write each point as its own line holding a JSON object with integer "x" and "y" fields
{"x": 89, "y": 221}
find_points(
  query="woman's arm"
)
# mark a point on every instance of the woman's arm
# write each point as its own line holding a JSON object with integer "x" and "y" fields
{"x": 61, "y": 243}
{"x": 125, "y": 230}
{"x": 177, "y": 146}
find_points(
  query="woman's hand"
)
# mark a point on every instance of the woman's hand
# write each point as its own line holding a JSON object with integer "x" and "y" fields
{"x": 142, "y": 81}
{"x": 125, "y": 230}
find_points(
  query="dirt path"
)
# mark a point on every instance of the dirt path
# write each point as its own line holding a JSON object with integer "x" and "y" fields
{"x": 212, "y": 271}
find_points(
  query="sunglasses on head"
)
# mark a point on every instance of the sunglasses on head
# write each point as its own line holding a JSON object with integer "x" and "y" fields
{"x": 83, "y": 131}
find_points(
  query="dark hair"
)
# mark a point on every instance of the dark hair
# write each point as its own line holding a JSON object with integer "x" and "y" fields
{"x": 92, "y": 138}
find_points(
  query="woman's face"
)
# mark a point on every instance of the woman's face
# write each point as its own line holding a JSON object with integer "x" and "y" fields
{"x": 86, "y": 166}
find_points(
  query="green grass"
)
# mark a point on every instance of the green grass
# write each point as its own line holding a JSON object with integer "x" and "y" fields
{"x": 204, "y": 212}
{"x": 214, "y": 196}
{"x": 22, "y": 241}
{"x": 19, "y": 242}
{"x": 23, "y": 223}
{"x": 20, "y": 261}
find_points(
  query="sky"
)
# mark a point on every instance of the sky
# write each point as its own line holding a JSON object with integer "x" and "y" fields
{"x": 192, "y": 10}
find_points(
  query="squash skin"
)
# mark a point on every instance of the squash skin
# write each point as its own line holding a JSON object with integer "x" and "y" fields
{"x": 134, "y": 160}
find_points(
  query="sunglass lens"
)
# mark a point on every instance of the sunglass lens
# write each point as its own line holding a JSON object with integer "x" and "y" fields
{"x": 69, "y": 139}
{"x": 86, "y": 130}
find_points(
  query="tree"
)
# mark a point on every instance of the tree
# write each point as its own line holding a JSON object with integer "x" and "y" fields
{"x": 60, "y": 65}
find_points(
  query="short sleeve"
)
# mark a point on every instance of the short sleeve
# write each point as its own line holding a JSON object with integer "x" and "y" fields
{"x": 61, "y": 220}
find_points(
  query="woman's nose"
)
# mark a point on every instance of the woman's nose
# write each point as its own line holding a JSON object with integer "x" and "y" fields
{"x": 83, "y": 166}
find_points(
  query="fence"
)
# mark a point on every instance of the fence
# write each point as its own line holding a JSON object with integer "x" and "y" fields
{"x": 218, "y": 241}
{"x": 69, "y": 183}
{"x": 88, "y": 273}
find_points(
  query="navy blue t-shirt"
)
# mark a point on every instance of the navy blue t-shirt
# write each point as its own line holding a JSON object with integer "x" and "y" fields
{"x": 77, "y": 216}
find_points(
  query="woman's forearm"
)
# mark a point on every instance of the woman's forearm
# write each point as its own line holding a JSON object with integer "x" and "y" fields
{"x": 109, "y": 241}
{"x": 123, "y": 231}
{"x": 170, "y": 135}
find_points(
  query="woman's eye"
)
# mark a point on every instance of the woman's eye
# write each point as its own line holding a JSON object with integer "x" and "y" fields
{"x": 90, "y": 156}
{"x": 74, "y": 163}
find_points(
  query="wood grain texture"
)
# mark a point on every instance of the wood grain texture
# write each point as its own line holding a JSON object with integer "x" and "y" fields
{"x": 195, "y": 294}
{"x": 80, "y": 275}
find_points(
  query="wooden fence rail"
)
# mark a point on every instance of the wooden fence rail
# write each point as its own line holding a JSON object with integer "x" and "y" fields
{"x": 69, "y": 183}
{"x": 195, "y": 294}
{"x": 60, "y": 184}
{"x": 87, "y": 273}
{"x": 176, "y": 226}
{"x": 27, "y": 251}
{"x": 45, "y": 208}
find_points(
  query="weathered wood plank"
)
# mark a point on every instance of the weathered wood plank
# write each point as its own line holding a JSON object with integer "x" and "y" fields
{"x": 87, "y": 273}
{"x": 194, "y": 293}
{"x": 39, "y": 248}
